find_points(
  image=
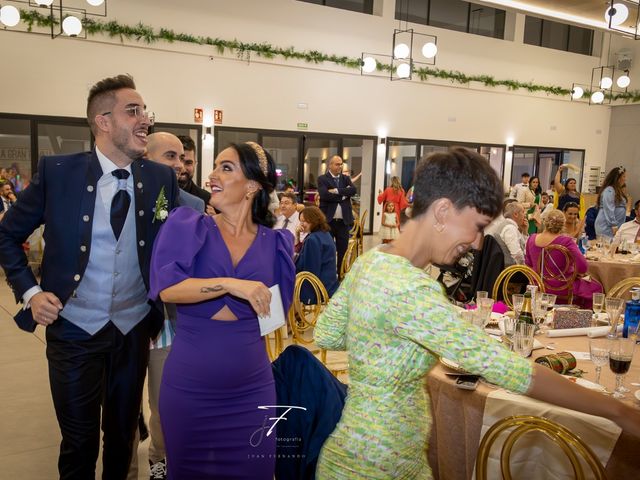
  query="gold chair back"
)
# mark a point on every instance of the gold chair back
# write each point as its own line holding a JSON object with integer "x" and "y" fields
{"x": 302, "y": 317}
{"x": 505, "y": 277}
{"x": 274, "y": 351}
{"x": 621, "y": 289}
{"x": 360, "y": 237}
{"x": 349, "y": 258}
{"x": 569, "y": 443}
{"x": 562, "y": 272}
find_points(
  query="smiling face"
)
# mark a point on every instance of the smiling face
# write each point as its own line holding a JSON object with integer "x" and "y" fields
{"x": 306, "y": 226}
{"x": 188, "y": 160}
{"x": 571, "y": 214}
{"x": 167, "y": 149}
{"x": 571, "y": 186}
{"x": 229, "y": 186}
{"x": 122, "y": 134}
{"x": 534, "y": 184}
{"x": 462, "y": 230}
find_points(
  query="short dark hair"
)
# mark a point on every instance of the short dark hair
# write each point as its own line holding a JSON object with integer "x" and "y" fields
{"x": 291, "y": 196}
{"x": 104, "y": 92}
{"x": 569, "y": 205}
{"x": 525, "y": 174}
{"x": 636, "y": 205}
{"x": 461, "y": 175}
{"x": 315, "y": 218}
{"x": 250, "y": 165}
{"x": 187, "y": 143}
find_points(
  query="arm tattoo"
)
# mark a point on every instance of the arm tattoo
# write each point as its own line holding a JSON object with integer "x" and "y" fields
{"x": 215, "y": 288}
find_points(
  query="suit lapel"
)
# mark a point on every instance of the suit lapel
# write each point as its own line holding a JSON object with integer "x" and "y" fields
{"x": 143, "y": 208}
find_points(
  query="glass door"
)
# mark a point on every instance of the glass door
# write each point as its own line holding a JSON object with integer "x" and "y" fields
{"x": 285, "y": 151}
{"x": 317, "y": 153}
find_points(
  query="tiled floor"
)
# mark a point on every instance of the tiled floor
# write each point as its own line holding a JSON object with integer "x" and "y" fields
{"x": 29, "y": 435}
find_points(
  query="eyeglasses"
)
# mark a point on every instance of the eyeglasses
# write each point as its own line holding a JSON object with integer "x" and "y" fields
{"x": 137, "y": 111}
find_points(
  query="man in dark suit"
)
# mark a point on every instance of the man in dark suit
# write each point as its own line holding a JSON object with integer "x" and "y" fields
{"x": 7, "y": 197}
{"x": 185, "y": 179}
{"x": 335, "y": 191}
{"x": 101, "y": 211}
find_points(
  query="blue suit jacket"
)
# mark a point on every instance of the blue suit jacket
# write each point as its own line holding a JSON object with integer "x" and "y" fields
{"x": 62, "y": 196}
{"x": 330, "y": 201}
{"x": 2, "y": 206}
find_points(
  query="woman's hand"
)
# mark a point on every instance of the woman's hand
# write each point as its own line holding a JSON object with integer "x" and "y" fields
{"x": 256, "y": 293}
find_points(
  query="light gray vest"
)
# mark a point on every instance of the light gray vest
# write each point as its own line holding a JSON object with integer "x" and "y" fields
{"x": 112, "y": 288}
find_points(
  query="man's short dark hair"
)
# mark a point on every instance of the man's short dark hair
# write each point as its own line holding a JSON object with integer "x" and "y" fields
{"x": 187, "y": 143}
{"x": 102, "y": 95}
{"x": 525, "y": 174}
{"x": 461, "y": 175}
{"x": 636, "y": 205}
{"x": 290, "y": 195}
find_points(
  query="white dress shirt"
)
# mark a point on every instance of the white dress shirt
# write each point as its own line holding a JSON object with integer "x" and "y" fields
{"x": 292, "y": 225}
{"x": 338, "y": 213}
{"x": 514, "y": 240}
{"x": 627, "y": 231}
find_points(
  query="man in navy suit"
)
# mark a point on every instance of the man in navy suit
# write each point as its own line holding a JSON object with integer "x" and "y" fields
{"x": 336, "y": 191}
{"x": 7, "y": 197}
{"x": 100, "y": 217}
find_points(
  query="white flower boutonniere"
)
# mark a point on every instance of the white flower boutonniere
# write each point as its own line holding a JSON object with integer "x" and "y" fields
{"x": 161, "y": 212}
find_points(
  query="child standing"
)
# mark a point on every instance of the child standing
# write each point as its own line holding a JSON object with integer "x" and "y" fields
{"x": 390, "y": 225}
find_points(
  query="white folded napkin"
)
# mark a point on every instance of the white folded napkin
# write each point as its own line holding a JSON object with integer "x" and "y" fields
{"x": 591, "y": 332}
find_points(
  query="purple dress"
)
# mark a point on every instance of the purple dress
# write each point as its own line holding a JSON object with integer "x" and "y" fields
{"x": 218, "y": 372}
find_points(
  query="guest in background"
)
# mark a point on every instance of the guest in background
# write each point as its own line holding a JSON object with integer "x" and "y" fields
{"x": 390, "y": 224}
{"x": 7, "y": 196}
{"x": 574, "y": 226}
{"x": 335, "y": 191}
{"x": 523, "y": 185}
{"x": 511, "y": 231}
{"x": 630, "y": 231}
{"x": 590, "y": 222}
{"x": 530, "y": 200}
{"x": 189, "y": 163}
{"x": 396, "y": 322}
{"x": 583, "y": 288}
{"x": 395, "y": 194}
{"x": 612, "y": 203}
{"x": 218, "y": 270}
{"x": 289, "y": 217}
{"x": 545, "y": 205}
{"x": 567, "y": 192}
{"x": 318, "y": 254}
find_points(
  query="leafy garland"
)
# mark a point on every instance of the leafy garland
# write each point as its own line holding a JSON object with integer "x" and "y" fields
{"x": 147, "y": 34}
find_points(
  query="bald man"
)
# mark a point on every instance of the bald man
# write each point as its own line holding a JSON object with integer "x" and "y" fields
{"x": 165, "y": 148}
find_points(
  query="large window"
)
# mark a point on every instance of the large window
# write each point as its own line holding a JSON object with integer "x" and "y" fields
{"x": 301, "y": 158}
{"x": 362, "y": 6}
{"x": 453, "y": 15}
{"x": 543, "y": 162}
{"x": 559, "y": 36}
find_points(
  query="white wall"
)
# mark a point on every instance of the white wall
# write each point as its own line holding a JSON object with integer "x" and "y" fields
{"x": 52, "y": 77}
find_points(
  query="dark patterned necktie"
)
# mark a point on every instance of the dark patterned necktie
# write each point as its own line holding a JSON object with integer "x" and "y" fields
{"x": 120, "y": 202}
{"x": 286, "y": 223}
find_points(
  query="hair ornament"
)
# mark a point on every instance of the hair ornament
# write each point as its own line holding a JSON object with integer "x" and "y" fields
{"x": 621, "y": 170}
{"x": 262, "y": 158}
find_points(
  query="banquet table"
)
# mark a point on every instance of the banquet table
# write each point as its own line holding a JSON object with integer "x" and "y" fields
{"x": 458, "y": 417}
{"x": 609, "y": 271}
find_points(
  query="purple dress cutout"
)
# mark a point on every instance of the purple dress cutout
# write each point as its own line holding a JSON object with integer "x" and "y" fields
{"x": 218, "y": 372}
{"x": 583, "y": 290}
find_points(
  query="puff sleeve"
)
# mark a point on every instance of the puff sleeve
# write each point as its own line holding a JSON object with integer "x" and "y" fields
{"x": 285, "y": 270}
{"x": 175, "y": 249}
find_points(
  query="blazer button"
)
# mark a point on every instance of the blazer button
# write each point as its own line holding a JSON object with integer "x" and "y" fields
{"x": 76, "y": 277}
{"x": 83, "y": 248}
{"x": 141, "y": 243}
{"x": 141, "y": 213}
{"x": 89, "y": 188}
{"x": 85, "y": 218}
{"x": 139, "y": 185}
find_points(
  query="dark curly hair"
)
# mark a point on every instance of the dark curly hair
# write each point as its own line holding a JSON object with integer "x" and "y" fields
{"x": 250, "y": 165}
{"x": 460, "y": 175}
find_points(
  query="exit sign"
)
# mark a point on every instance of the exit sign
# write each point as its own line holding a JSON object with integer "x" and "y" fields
{"x": 303, "y": 126}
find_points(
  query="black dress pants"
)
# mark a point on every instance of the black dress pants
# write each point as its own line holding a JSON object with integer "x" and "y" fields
{"x": 340, "y": 233}
{"x": 88, "y": 373}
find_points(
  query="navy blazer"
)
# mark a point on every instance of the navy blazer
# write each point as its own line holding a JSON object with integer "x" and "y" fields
{"x": 2, "y": 205}
{"x": 62, "y": 196}
{"x": 330, "y": 201}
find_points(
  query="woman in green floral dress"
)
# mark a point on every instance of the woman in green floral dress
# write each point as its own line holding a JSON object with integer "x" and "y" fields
{"x": 394, "y": 320}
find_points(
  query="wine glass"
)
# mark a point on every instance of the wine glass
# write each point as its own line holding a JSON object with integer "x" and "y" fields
{"x": 485, "y": 305}
{"x": 539, "y": 310}
{"x": 599, "y": 352}
{"x": 518, "y": 302}
{"x": 620, "y": 356}
{"x": 523, "y": 339}
{"x": 598, "y": 304}
{"x": 613, "y": 307}
{"x": 599, "y": 243}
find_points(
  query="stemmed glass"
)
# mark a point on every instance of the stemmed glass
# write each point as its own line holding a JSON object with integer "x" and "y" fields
{"x": 518, "y": 302}
{"x": 620, "y": 356}
{"x": 485, "y": 305}
{"x": 599, "y": 352}
{"x": 598, "y": 304}
{"x": 614, "y": 309}
{"x": 539, "y": 310}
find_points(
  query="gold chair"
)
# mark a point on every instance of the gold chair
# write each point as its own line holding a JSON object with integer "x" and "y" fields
{"x": 562, "y": 272}
{"x": 278, "y": 344}
{"x": 621, "y": 289}
{"x": 360, "y": 237}
{"x": 303, "y": 317}
{"x": 505, "y": 277}
{"x": 568, "y": 442}
{"x": 349, "y": 258}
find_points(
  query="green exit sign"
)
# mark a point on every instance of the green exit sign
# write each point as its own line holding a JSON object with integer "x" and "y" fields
{"x": 303, "y": 126}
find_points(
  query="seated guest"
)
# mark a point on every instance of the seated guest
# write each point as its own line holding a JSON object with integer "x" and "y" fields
{"x": 583, "y": 288}
{"x": 546, "y": 205}
{"x": 590, "y": 222}
{"x": 318, "y": 254}
{"x": 288, "y": 218}
{"x": 573, "y": 226}
{"x": 511, "y": 230}
{"x": 630, "y": 231}
{"x": 497, "y": 223}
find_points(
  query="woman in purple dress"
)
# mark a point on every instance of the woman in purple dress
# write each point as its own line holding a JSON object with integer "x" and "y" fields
{"x": 218, "y": 271}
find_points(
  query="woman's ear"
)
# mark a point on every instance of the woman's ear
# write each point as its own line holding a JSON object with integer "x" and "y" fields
{"x": 253, "y": 187}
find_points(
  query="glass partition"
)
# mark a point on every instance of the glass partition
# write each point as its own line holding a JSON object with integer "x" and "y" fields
{"x": 15, "y": 152}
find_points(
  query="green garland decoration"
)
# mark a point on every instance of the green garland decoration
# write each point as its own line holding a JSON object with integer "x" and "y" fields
{"x": 146, "y": 34}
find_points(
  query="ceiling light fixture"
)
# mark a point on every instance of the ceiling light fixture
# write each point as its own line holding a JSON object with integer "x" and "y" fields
{"x": 623, "y": 17}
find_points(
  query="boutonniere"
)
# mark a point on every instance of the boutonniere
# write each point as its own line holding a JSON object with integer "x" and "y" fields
{"x": 161, "y": 212}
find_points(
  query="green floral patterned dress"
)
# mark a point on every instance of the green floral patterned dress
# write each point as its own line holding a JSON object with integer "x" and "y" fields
{"x": 393, "y": 319}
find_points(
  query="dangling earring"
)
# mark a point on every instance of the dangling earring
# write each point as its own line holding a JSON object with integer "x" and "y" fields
{"x": 439, "y": 227}
{"x": 248, "y": 196}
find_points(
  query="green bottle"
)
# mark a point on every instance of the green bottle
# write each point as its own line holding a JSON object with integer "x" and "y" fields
{"x": 525, "y": 314}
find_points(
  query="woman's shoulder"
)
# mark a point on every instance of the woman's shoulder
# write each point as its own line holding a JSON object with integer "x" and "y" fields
{"x": 187, "y": 216}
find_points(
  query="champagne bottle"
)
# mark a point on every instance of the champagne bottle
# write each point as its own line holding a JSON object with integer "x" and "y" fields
{"x": 525, "y": 314}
